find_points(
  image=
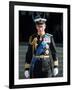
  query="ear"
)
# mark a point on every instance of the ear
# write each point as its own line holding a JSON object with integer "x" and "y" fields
{"x": 45, "y": 26}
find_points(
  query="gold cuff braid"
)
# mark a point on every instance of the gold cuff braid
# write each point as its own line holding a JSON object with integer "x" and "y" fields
{"x": 56, "y": 63}
{"x": 27, "y": 66}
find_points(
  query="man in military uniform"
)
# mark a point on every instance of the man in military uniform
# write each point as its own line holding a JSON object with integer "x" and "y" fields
{"x": 41, "y": 58}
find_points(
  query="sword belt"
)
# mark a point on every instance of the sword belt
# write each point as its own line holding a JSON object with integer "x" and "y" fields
{"x": 41, "y": 56}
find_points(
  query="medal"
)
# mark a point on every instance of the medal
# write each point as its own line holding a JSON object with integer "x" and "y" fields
{"x": 47, "y": 52}
{"x": 47, "y": 46}
{"x": 47, "y": 40}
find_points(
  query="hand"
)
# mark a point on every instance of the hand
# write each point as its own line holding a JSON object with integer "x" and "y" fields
{"x": 26, "y": 73}
{"x": 55, "y": 71}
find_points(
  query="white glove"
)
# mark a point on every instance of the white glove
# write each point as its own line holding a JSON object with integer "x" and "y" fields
{"x": 26, "y": 73}
{"x": 55, "y": 71}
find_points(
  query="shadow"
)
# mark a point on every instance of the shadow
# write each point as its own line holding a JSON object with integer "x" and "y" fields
{"x": 7, "y": 86}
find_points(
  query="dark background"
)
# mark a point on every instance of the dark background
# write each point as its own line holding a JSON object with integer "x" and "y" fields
{"x": 27, "y": 26}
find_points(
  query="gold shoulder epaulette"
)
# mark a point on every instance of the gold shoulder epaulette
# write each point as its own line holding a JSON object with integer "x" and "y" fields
{"x": 30, "y": 40}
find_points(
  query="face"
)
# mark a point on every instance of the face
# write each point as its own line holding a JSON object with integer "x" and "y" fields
{"x": 40, "y": 28}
